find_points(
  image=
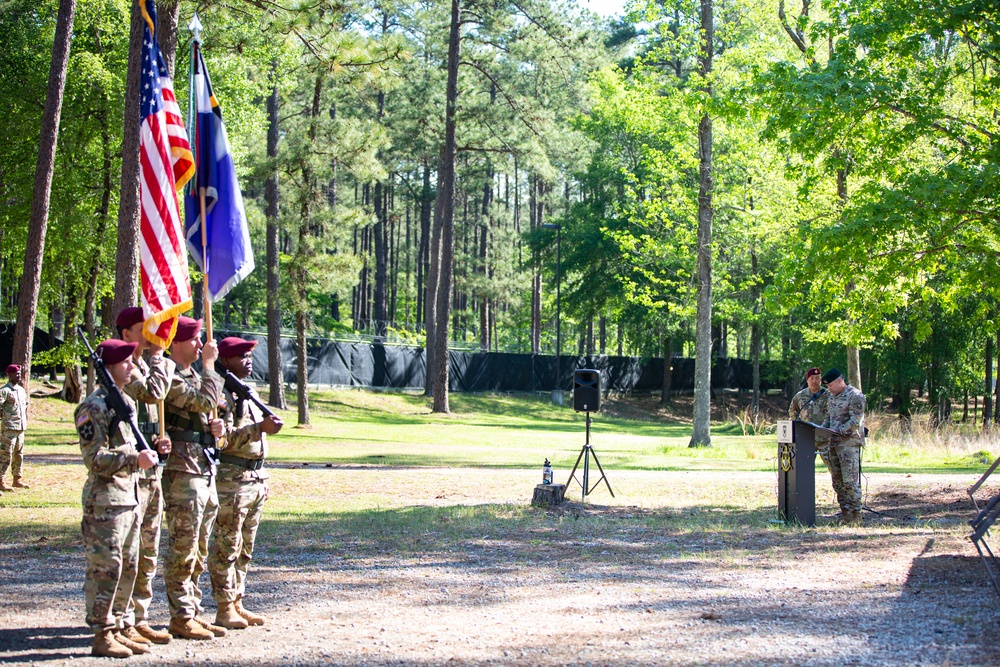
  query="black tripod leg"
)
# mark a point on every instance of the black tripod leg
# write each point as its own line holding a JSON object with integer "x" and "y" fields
{"x": 572, "y": 475}
{"x": 603, "y": 476}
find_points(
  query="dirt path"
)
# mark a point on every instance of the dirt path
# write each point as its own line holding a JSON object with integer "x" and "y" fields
{"x": 599, "y": 585}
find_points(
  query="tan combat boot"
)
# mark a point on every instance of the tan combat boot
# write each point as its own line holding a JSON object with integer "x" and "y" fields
{"x": 187, "y": 629}
{"x": 4, "y": 487}
{"x": 252, "y": 618}
{"x": 18, "y": 484}
{"x": 155, "y": 636}
{"x": 228, "y": 617}
{"x": 106, "y": 646}
{"x": 216, "y": 630}
{"x": 132, "y": 634}
{"x": 136, "y": 647}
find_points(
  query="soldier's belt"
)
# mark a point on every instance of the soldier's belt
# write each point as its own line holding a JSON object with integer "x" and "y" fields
{"x": 249, "y": 464}
{"x": 198, "y": 437}
{"x": 149, "y": 428}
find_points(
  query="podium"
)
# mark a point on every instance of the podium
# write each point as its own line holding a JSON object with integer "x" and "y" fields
{"x": 797, "y": 471}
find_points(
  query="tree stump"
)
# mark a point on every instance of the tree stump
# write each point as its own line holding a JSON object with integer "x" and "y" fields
{"x": 548, "y": 494}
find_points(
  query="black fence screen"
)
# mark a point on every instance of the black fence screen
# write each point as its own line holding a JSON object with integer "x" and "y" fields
{"x": 397, "y": 367}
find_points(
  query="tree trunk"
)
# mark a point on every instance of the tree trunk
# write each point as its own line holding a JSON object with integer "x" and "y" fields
{"x": 302, "y": 366}
{"x": 996, "y": 385}
{"x": 484, "y": 241}
{"x": 423, "y": 260}
{"x": 380, "y": 301}
{"x": 755, "y": 340}
{"x": 127, "y": 255}
{"x": 167, "y": 14}
{"x": 300, "y": 271}
{"x": 988, "y": 393}
{"x": 276, "y": 380}
{"x": 433, "y": 287}
{"x": 701, "y": 431}
{"x": 38, "y": 221}
{"x": 854, "y": 366}
{"x": 445, "y": 211}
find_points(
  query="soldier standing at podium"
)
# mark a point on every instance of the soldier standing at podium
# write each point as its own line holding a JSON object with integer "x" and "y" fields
{"x": 845, "y": 417}
{"x": 811, "y": 404}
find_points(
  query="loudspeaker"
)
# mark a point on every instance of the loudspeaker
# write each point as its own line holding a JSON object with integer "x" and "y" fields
{"x": 586, "y": 390}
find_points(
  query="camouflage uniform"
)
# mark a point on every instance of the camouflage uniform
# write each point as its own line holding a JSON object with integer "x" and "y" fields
{"x": 189, "y": 486}
{"x": 242, "y": 484}
{"x": 13, "y": 423}
{"x": 846, "y": 413}
{"x": 813, "y": 411}
{"x": 110, "y": 524}
{"x": 147, "y": 386}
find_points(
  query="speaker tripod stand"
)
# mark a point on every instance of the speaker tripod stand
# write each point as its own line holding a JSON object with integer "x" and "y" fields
{"x": 585, "y": 454}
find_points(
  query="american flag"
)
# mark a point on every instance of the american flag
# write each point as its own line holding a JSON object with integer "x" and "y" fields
{"x": 166, "y": 164}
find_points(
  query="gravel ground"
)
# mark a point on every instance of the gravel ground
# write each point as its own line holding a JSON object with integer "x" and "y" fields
{"x": 906, "y": 589}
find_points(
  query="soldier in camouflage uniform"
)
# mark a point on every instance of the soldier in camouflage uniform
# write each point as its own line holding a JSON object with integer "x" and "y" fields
{"x": 110, "y": 524}
{"x": 845, "y": 417}
{"x": 810, "y": 404}
{"x": 13, "y": 423}
{"x": 189, "y": 477}
{"x": 147, "y": 385}
{"x": 242, "y": 484}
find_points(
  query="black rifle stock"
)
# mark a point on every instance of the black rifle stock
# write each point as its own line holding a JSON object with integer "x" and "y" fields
{"x": 237, "y": 386}
{"x": 117, "y": 405}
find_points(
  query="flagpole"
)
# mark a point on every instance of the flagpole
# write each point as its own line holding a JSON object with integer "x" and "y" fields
{"x": 204, "y": 256}
{"x": 195, "y": 27}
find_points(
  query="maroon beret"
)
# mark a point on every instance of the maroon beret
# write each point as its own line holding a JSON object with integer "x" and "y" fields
{"x": 129, "y": 317}
{"x": 187, "y": 328}
{"x": 235, "y": 347}
{"x": 13, "y": 368}
{"x": 114, "y": 351}
{"x": 813, "y": 371}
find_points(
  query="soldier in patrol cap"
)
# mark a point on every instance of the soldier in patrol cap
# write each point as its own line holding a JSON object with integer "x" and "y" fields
{"x": 189, "y": 477}
{"x": 13, "y": 423}
{"x": 845, "y": 417}
{"x": 110, "y": 524}
{"x": 147, "y": 385}
{"x": 242, "y": 484}
{"x": 810, "y": 404}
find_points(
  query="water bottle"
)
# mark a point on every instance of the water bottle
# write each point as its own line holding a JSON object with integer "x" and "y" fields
{"x": 547, "y": 472}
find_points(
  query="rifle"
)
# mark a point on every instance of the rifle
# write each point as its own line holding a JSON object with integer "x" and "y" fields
{"x": 234, "y": 385}
{"x": 120, "y": 410}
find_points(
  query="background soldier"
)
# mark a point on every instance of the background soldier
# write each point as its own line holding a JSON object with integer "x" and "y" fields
{"x": 845, "y": 417}
{"x": 189, "y": 477}
{"x": 147, "y": 385}
{"x": 14, "y": 418}
{"x": 242, "y": 485}
{"x": 811, "y": 404}
{"x": 110, "y": 522}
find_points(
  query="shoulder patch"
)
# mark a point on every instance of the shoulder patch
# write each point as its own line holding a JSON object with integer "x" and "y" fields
{"x": 86, "y": 430}
{"x": 82, "y": 419}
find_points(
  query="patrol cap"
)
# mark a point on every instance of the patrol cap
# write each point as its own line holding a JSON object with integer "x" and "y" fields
{"x": 187, "y": 328}
{"x": 114, "y": 351}
{"x": 813, "y": 371}
{"x": 13, "y": 368}
{"x": 832, "y": 375}
{"x": 233, "y": 346}
{"x": 129, "y": 317}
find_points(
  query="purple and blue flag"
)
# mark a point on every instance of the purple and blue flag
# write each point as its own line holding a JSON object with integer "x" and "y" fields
{"x": 228, "y": 257}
